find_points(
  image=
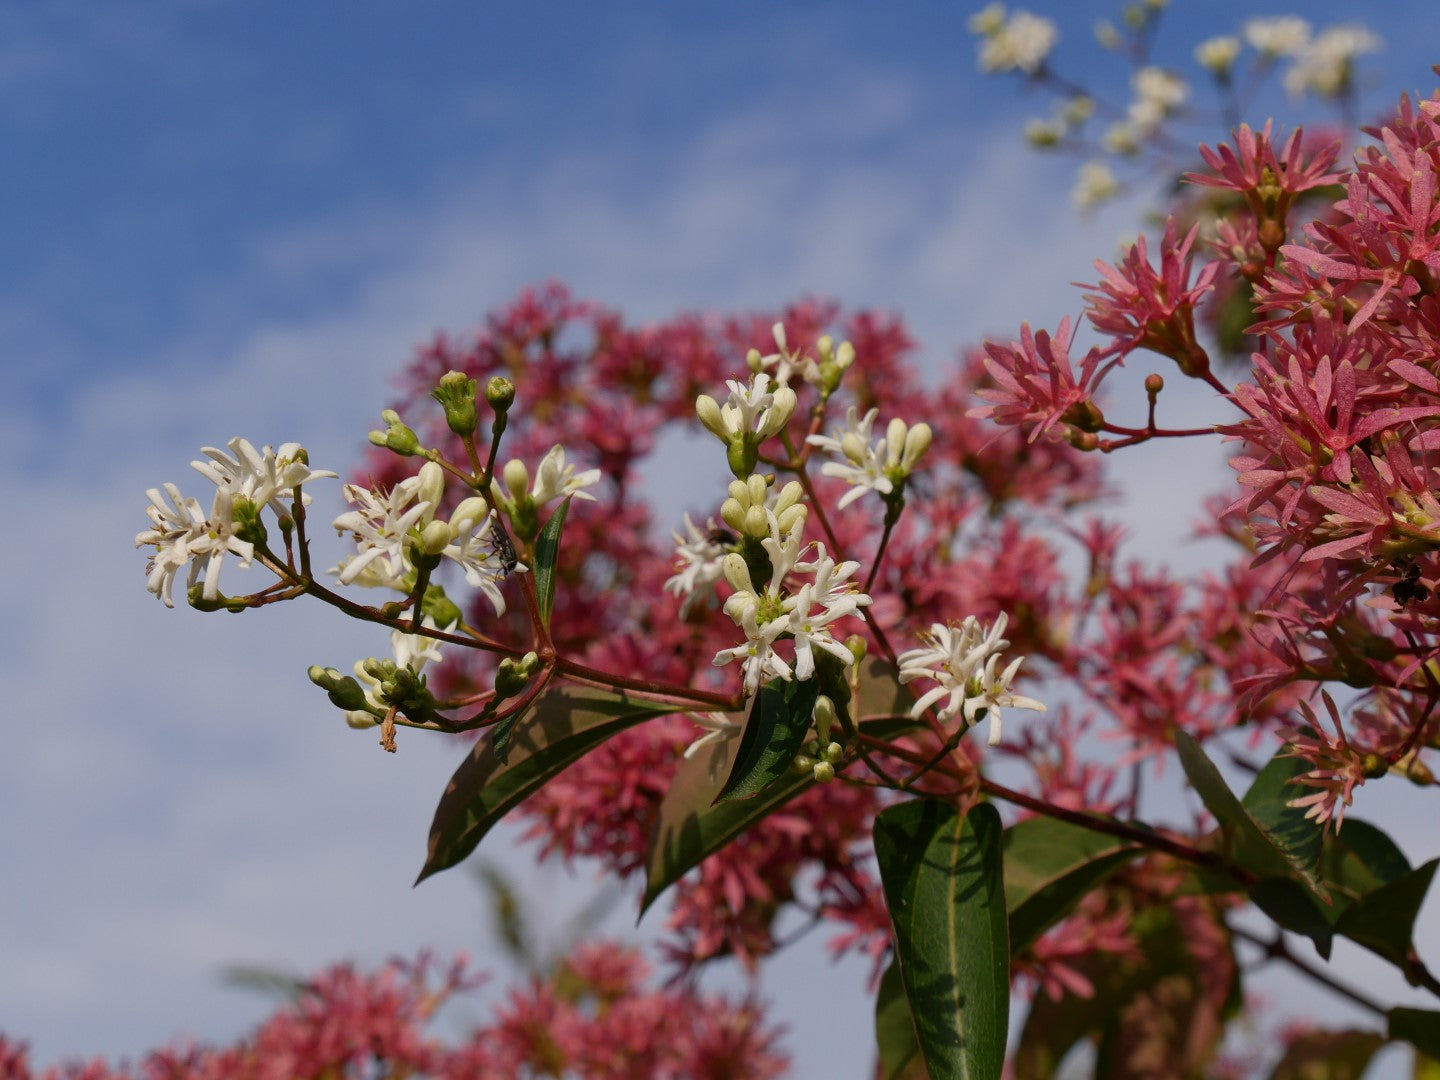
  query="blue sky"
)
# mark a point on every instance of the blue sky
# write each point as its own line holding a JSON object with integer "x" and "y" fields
{"x": 226, "y": 218}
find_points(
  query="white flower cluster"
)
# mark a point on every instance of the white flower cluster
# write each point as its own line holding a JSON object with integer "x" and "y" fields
{"x": 553, "y": 480}
{"x": 1020, "y": 42}
{"x": 962, "y": 661}
{"x": 389, "y": 528}
{"x": 877, "y": 467}
{"x": 1094, "y": 184}
{"x": 750, "y": 412}
{"x": 699, "y": 564}
{"x": 184, "y": 535}
{"x": 764, "y": 614}
{"x": 1327, "y": 65}
{"x": 1217, "y": 55}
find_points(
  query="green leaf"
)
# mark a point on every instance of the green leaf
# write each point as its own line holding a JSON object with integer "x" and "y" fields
{"x": 691, "y": 825}
{"x": 774, "y": 733}
{"x": 1255, "y": 849}
{"x": 1358, "y": 860}
{"x": 547, "y": 553}
{"x": 1295, "y": 908}
{"x": 1049, "y": 866}
{"x": 1384, "y": 920}
{"x": 562, "y": 726}
{"x": 1328, "y": 1055}
{"x": 894, "y": 1030}
{"x": 944, "y": 886}
{"x": 1268, "y": 803}
{"x": 1419, "y": 1027}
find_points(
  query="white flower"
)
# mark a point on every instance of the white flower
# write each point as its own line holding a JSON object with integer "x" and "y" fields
{"x": 785, "y": 362}
{"x": 473, "y": 545}
{"x": 810, "y": 629}
{"x": 262, "y": 476}
{"x": 1022, "y": 44}
{"x": 1327, "y": 65}
{"x": 1217, "y": 54}
{"x": 1095, "y": 184}
{"x": 757, "y": 651}
{"x": 719, "y": 729}
{"x": 805, "y": 615}
{"x": 382, "y": 524}
{"x": 183, "y": 535}
{"x": 555, "y": 480}
{"x": 868, "y": 467}
{"x": 1280, "y": 35}
{"x": 699, "y": 565}
{"x": 750, "y": 412}
{"x": 961, "y": 662}
{"x": 1158, "y": 93}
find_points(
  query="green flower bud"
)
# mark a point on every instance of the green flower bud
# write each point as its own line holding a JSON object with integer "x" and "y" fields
{"x": 500, "y": 393}
{"x": 434, "y": 538}
{"x": 516, "y": 477}
{"x": 833, "y": 753}
{"x": 397, "y": 437}
{"x": 708, "y": 410}
{"x": 824, "y": 717}
{"x": 456, "y": 393}
{"x": 823, "y": 772}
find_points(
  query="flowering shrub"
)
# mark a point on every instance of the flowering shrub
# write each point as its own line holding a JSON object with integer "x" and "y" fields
{"x": 771, "y": 716}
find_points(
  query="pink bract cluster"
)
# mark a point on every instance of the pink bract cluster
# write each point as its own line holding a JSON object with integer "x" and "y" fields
{"x": 593, "y": 1018}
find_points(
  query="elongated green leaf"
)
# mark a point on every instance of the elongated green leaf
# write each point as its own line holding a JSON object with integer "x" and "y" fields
{"x": 1049, "y": 866}
{"x": 562, "y": 726}
{"x": 1419, "y": 1027}
{"x": 547, "y": 553}
{"x": 776, "y": 729}
{"x": 692, "y": 825}
{"x": 1328, "y": 1055}
{"x": 1287, "y": 827}
{"x": 944, "y": 885}
{"x": 1358, "y": 860}
{"x": 1384, "y": 920}
{"x": 1255, "y": 848}
{"x": 894, "y": 1030}
{"x": 1295, "y": 908}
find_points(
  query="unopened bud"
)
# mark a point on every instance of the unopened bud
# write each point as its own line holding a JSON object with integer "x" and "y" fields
{"x": 823, "y": 772}
{"x": 708, "y": 410}
{"x": 456, "y": 394}
{"x": 397, "y": 437}
{"x": 1154, "y": 383}
{"x": 824, "y": 717}
{"x": 500, "y": 393}
{"x": 517, "y": 477}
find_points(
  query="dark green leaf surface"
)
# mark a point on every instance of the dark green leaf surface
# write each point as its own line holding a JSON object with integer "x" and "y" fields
{"x": 692, "y": 825}
{"x": 1049, "y": 866}
{"x": 944, "y": 885}
{"x": 1295, "y": 908}
{"x": 547, "y": 552}
{"x": 774, "y": 733}
{"x": 1287, "y": 827}
{"x": 561, "y": 727}
{"x": 1254, "y": 847}
{"x": 1384, "y": 920}
{"x": 1419, "y": 1027}
{"x": 894, "y": 1030}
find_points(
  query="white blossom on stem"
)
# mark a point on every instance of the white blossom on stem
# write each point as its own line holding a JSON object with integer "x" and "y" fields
{"x": 961, "y": 661}
{"x": 183, "y": 535}
{"x": 699, "y": 565}
{"x": 265, "y": 476}
{"x": 555, "y": 480}
{"x": 381, "y": 527}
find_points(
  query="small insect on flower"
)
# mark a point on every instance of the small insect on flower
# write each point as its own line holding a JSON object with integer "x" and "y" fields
{"x": 502, "y": 547}
{"x": 1409, "y": 589}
